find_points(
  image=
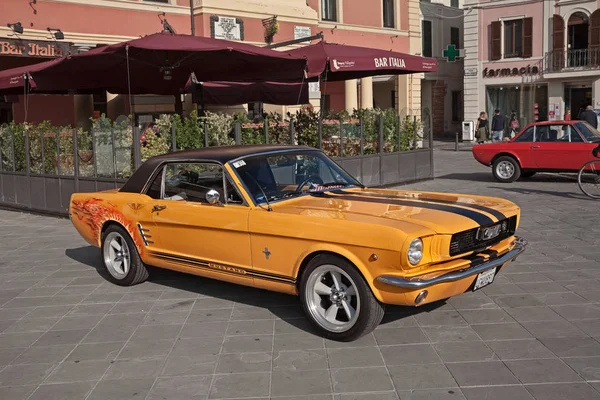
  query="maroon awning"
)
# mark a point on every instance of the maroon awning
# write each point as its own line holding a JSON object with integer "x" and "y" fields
{"x": 235, "y": 93}
{"x": 340, "y": 62}
{"x": 150, "y": 60}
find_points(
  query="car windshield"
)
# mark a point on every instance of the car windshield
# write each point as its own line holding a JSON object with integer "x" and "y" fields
{"x": 589, "y": 133}
{"x": 278, "y": 176}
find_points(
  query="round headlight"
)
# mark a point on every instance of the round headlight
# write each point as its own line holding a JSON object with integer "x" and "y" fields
{"x": 415, "y": 251}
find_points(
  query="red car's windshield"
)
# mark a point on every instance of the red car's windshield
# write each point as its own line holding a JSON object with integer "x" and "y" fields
{"x": 589, "y": 133}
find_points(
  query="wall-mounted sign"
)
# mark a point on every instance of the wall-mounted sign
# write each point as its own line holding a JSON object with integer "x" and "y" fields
{"x": 227, "y": 28}
{"x": 470, "y": 71}
{"x": 302, "y": 32}
{"x": 502, "y": 72}
{"x": 33, "y": 48}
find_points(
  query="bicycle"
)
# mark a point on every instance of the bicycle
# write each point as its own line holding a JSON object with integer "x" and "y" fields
{"x": 588, "y": 178}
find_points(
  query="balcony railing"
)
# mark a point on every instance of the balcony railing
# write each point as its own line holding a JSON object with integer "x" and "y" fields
{"x": 580, "y": 59}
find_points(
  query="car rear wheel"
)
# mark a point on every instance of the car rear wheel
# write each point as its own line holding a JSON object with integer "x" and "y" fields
{"x": 121, "y": 259}
{"x": 506, "y": 169}
{"x": 337, "y": 299}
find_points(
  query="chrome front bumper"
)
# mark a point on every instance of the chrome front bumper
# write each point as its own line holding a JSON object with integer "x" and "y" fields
{"x": 417, "y": 283}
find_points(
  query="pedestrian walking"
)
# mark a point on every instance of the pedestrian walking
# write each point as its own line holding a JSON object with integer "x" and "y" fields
{"x": 568, "y": 114}
{"x": 498, "y": 125}
{"x": 590, "y": 116}
{"x": 482, "y": 129}
{"x": 514, "y": 124}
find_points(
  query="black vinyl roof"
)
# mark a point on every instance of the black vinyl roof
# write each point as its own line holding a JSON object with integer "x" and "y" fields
{"x": 220, "y": 154}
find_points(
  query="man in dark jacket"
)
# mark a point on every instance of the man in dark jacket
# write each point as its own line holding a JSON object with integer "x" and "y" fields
{"x": 498, "y": 125}
{"x": 590, "y": 117}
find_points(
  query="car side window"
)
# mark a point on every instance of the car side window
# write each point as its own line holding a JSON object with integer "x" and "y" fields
{"x": 192, "y": 181}
{"x": 569, "y": 135}
{"x": 526, "y": 136}
{"x": 154, "y": 188}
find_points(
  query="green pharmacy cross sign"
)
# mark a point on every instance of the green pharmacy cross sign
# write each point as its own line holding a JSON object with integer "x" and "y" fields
{"x": 451, "y": 53}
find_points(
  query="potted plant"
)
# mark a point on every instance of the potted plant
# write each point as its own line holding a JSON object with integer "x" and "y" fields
{"x": 271, "y": 28}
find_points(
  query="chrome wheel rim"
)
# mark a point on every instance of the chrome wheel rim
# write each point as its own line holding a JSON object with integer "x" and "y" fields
{"x": 116, "y": 255}
{"x": 505, "y": 169}
{"x": 332, "y": 298}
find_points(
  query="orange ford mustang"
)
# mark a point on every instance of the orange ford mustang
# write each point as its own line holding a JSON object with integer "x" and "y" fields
{"x": 289, "y": 219}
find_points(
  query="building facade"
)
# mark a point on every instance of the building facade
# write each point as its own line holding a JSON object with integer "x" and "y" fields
{"x": 51, "y": 28}
{"x": 538, "y": 59}
{"x": 442, "y": 91}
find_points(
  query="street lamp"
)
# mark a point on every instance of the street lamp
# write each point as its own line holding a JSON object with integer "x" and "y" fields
{"x": 58, "y": 35}
{"x": 16, "y": 27}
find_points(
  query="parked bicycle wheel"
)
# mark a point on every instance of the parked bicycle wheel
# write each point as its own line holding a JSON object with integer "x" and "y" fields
{"x": 589, "y": 179}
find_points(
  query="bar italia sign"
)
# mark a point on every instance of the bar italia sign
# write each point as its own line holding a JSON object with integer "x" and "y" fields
{"x": 33, "y": 48}
{"x": 501, "y": 72}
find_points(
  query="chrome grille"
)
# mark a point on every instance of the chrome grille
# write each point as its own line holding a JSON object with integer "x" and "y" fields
{"x": 466, "y": 241}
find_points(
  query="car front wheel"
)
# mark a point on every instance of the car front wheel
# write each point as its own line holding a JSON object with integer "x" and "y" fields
{"x": 337, "y": 299}
{"x": 506, "y": 169}
{"x": 121, "y": 259}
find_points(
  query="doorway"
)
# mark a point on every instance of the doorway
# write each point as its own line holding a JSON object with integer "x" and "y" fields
{"x": 577, "y": 99}
{"x": 578, "y": 39}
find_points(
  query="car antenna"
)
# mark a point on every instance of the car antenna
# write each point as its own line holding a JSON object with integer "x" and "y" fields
{"x": 269, "y": 208}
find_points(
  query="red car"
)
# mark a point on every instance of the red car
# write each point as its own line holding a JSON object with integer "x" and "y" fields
{"x": 551, "y": 146}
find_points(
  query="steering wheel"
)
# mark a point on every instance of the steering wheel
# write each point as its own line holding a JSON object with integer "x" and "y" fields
{"x": 311, "y": 179}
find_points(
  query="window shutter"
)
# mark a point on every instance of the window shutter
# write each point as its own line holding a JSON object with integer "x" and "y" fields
{"x": 495, "y": 43}
{"x": 558, "y": 33}
{"x": 527, "y": 37}
{"x": 595, "y": 30}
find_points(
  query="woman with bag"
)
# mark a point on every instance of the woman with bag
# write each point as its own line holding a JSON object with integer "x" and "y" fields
{"x": 514, "y": 124}
{"x": 482, "y": 129}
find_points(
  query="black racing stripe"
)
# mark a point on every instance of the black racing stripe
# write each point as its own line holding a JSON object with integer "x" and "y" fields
{"x": 499, "y": 216}
{"x": 206, "y": 265}
{"x": 492, "y": 253}
{"x": 476, "y": 260}
{"x": 478, "y": 217}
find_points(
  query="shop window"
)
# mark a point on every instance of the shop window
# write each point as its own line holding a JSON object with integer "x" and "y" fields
{"x": 511, "y": 38}
{"x": 427, "y": 43}
{"x": 329, "y": 10}
{"x": 255, "y": 111}
{"x": 455, "y": 37}
{"x": 454, "y": 3}
{"x": 457, "y": 106}
{"x": 529, "y": 103}
{"x": 100, "y": 103}
{"x": 388, "y": 13}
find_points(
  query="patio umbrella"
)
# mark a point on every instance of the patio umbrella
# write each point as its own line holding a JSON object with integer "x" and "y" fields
{"x": 160, "y": 63}
{"x": 340, "y": 62}
{"x": 328, "y": 61}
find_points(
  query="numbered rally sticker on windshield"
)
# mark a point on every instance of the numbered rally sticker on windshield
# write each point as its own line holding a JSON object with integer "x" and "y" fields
{"x": 239, "y": 163}
{"x": 317, "y": 188}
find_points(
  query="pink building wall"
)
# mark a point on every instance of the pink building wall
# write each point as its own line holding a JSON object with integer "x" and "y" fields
{"x": 488, "y": 15}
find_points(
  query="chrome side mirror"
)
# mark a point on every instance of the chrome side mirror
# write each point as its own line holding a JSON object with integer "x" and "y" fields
{"x": 212, "y": 196}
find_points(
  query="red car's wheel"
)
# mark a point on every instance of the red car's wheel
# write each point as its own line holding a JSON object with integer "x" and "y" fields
{"x": 506, "y": 169}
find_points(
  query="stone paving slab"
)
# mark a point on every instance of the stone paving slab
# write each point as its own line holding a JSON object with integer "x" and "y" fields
{"x": 66, "y": 333}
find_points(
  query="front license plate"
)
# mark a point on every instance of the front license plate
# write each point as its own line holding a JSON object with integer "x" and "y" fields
{"x": 485, "y": 278}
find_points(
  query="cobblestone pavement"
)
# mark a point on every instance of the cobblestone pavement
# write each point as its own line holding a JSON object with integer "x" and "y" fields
{"x": 66, "y": 333}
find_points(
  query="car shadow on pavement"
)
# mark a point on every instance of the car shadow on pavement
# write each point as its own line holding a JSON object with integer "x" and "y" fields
{"x": 487, "y": 177}
{"x": 283, "y": 306}
{"x": 568, "y": 195}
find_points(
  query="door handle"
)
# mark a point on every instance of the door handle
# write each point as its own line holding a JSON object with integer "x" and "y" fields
{"x": 535, "y": 147}
{"x": 158, "y": 208}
